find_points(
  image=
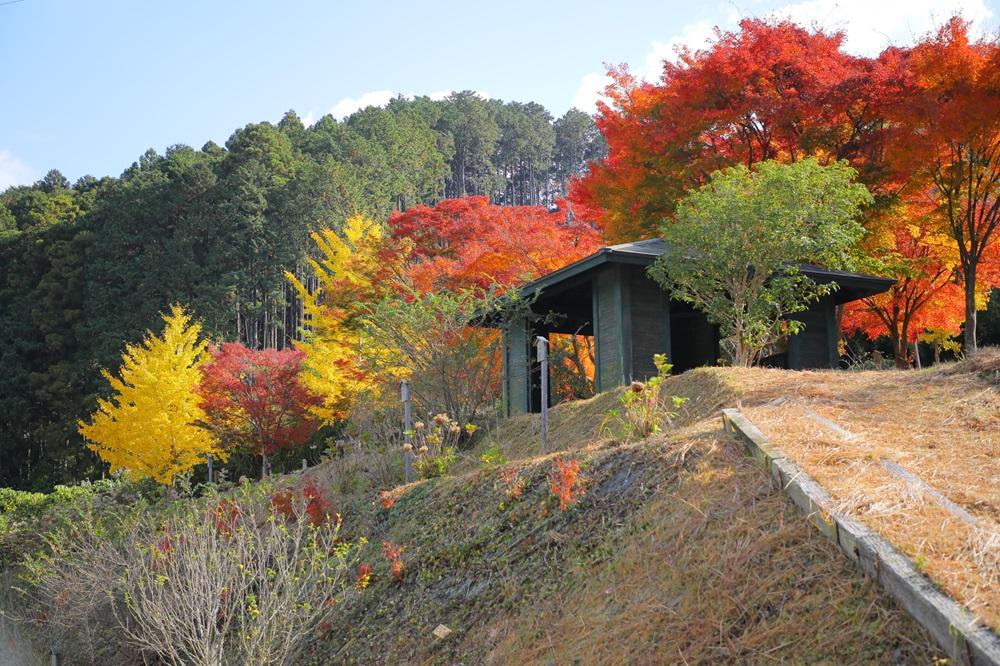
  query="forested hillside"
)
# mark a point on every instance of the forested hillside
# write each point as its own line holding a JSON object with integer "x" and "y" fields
{"x": 88, "y": 265}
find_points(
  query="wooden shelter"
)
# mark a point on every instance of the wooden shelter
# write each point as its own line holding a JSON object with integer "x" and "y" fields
{"x": 609, "y": 296}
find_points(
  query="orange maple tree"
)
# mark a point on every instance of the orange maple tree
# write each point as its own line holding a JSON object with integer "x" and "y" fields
{"x": 469, "y": 242}
{"x": 909, "y": 247}
{"x": 945, "y": 144}
{"x": 769, "y": 90}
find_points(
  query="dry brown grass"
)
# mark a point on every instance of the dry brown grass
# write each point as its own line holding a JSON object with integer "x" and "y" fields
{"x": 574, "y": 425}
{"x": 720, "y": 568}
{"x": 940, "y": 424}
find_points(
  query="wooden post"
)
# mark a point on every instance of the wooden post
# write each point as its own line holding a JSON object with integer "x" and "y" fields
{"x": 209, "y": 468}
{"x": 56, "y": 658}
{"x": 543, "y": 359}
{"x": 404, "y": 392}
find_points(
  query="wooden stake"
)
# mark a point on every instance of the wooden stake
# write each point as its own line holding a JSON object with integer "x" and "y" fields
{"x": 543, "y": 359}
{"x": 404, "y": 394}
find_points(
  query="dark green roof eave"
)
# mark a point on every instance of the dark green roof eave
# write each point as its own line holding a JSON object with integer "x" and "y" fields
{"x": 578, "y": 267}
{"x": 645, "y": 253}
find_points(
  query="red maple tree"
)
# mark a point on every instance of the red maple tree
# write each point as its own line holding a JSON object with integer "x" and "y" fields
{"x": 945, "y": 146}
{"x": 255, "y": 399}
{"x": 769, "y": 90}
{"x": 471, "y": 243}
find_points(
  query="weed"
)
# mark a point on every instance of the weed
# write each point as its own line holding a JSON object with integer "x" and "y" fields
{"x": 493, "y": 456}
{"x": 564, "y": 479}
{"x": 640, "y": 413}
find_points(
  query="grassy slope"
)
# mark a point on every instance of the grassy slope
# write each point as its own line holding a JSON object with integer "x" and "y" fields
{"x": 679, "y": 550}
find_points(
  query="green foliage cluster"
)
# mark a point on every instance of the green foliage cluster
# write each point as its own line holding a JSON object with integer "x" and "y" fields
{"x": 734, "y": 251}
{"x": 88, "y": 266}
{"x": 641, "y": 411}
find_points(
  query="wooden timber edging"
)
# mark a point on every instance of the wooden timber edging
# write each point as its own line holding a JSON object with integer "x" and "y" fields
{"x": 960, "y": 635}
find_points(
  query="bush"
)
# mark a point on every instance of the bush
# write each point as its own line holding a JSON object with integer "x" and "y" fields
{"x": 245, "y": 579}
{"x": 451, "y": 364}
{"x": 434, "y": 444}
{"x": 641, "y": 412}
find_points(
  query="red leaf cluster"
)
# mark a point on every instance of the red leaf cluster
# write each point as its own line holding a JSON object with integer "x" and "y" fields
{"x": 227, "y": 513}
{"x": 364, "y": 576}
{"x": 394, "y": 554}
{"x": 255, "y": 397}
{"x": 318, "y": 507}
{"x": 472, "y": 243}
{"x": 564, "y": 479}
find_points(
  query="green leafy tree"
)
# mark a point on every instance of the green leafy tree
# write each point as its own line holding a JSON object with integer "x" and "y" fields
{"x": 523, "y": 153}
{"x": 472, "y": 124}
{"x": 732, "y": 252}
{"x": 577, "y": 143}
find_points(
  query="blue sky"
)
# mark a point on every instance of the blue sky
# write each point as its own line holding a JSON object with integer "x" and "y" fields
{"x": 89, "y": 86}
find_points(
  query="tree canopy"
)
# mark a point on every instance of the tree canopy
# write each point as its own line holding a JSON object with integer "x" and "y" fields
{"x": 732, "y": 252}
{"x": 87, "y": 266}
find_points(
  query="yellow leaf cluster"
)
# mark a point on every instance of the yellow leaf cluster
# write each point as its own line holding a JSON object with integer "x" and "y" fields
{"x": 149, "y": 426}
{"x": 356, "y": 267}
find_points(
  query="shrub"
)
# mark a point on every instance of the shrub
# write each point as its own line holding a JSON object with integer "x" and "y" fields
{"x": 434, "y": 444}
{"x": 394, "y": 554}
{"x": 428, "y": 338}
{"x": 640, "y": 412}
{"x": 564, "y": 479}
{"x": 247, "y": 579}
{"x": 493, "y": 456}
{"x": 513, "y": 483}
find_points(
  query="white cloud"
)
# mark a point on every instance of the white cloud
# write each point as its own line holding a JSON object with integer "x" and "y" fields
{"x": 591, "y": 89}
{"x": 349, "y": 105}
{"x": 870, "y": 26}
{"x": 309, "y": 119}
{"x": 13, "y": 171}
{"x": 693, "y": 36}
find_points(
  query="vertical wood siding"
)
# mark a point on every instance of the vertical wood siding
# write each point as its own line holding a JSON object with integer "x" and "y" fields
{"x": 650, "y": 317}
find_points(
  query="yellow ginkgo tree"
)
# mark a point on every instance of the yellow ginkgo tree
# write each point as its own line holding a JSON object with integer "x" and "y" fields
{"x": 149, "y": 427}
{"x": 357, "y": 266}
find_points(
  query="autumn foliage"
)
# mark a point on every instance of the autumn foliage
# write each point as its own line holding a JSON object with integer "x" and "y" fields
{"x": 357, "y": 266}
{"x": 920, "y": 125}
{"x": 255, "y": 398}
{"x": 945, "y": 146}
{"x": 770, "y": 90}
{"x": 149, "y": 426}
{"x": 470, "y": 242}
{"x": 394, "y": 554}
{"x": 910, "y": 248}
{"x": 564, "y": 482}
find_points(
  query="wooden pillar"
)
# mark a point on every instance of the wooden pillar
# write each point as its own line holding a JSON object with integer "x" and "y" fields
{"x": 612, "y": 329}
{"x": 516, "y": 368}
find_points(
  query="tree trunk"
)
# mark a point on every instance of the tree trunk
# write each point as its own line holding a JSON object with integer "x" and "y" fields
{"x": 970, "y": 310}
{"x": 900, "y": 352}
